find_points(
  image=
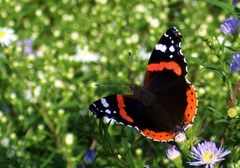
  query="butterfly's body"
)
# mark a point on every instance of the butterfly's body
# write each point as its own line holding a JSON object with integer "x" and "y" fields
{"x": 165, "y": 104}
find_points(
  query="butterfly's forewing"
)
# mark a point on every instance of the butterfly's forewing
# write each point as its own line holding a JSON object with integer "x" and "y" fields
{"x": 166, "y": 62}
{"x": 166, "y": 77}
{"x": 124, "y": 109}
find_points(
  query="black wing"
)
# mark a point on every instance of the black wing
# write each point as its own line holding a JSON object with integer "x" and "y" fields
{"x": 167, "y": 63}
{"x": 166, "y": 79}
{"x": 127, "y": 110}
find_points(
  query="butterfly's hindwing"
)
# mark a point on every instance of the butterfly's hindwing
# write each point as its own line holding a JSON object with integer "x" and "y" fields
{"x": 127, "y": 110}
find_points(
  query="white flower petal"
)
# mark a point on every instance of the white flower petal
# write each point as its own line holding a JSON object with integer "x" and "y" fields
{"x": 7, "y": 36}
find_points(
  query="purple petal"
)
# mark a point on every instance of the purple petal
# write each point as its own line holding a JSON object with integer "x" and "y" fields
{"x": 201, "y": 149}
{"x": 172, "y": 152}
{"x": 235, "y": 2}
{"x": 28, "y": 42}
{"x": 89, "y": 156}
{"x": 27, "y": 50}
{"x": 230, "y": 25}
{"x": 235, "y": 65}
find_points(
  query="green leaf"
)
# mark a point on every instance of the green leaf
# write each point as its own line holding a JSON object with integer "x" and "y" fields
{"x": 221, "y": 121}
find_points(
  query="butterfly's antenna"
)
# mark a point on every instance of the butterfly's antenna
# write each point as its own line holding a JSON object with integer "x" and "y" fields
{"x": 130, "y": 59}
{"x": 130, "y": 66}
{"x": 111, "y": 85}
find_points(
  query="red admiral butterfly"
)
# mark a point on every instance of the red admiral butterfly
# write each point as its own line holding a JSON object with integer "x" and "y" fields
{"x": 166, "y": 104}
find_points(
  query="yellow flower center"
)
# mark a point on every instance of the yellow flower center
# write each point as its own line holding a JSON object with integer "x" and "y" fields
{"x": 208, "y": 157}
{"x": 2, "y": 34}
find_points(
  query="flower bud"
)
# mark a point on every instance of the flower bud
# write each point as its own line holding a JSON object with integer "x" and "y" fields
{"x": 180, "y": 137}
{"x": 172, "y": 153}
{"x": 232, "y": 112}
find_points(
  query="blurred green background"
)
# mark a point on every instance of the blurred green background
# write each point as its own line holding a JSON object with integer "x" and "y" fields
{"x": 45, "y": 93}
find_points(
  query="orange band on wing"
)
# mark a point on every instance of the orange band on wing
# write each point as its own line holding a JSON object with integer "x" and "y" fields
{"x": 191, "y": 108}
{"x": 122, "y": 112}
{"x": 168, "y": 65}
{"x": 160, "y": 136}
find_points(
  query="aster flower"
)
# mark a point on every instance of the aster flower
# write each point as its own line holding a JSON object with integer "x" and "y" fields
{"x": 208, "y": 154}
{"x": 28, "y": 42}
{"x": 235, "y": 65}
{"x": 89, "y": 156}
{"x": 84, "y": 55}
{"x": 28, "y": 46}
{"x": 235, "y": 2}
{"x": 230, "y": 25}
{"x": 172, "y": 153}
{"x": 27, "y": 50}
{"x": 6, "y": 36}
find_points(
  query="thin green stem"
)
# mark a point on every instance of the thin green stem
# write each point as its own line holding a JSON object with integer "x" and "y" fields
{"x": 231, "y": 105}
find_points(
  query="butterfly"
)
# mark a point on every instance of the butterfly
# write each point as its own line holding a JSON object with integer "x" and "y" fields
{"x": 166, "y": 104}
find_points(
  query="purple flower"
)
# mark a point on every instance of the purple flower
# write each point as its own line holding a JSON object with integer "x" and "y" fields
{"x": 235, "y": 2}
{"x": 28, "y": 42}
{"x": 207, "y": 153}
{"x": 230, "y": 25}
{"x": 235, "y": 65}
{"x": 27, "y": 50}
{"x": 172, "y": 152}
{"x": 89, "y": 156}
{"x": 27, "y": 46}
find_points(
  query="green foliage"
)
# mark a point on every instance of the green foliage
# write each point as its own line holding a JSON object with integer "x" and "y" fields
{"x": 44, "y": 95}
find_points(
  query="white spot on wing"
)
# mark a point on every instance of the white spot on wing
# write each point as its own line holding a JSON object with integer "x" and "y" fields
{"x": 187, "y": 81}
{"x": 160, "y": 47}
{"x": 166, "y": 35}
{"x": 108, "y": 111}
{"x": 172, "y": 49}
{"x": 171, "y": 56}
{"x": 107, "y": 120}
{"x": 104, "y": 102}
{"x": 184, "y": 60}
{"x": 177, "y": 30}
